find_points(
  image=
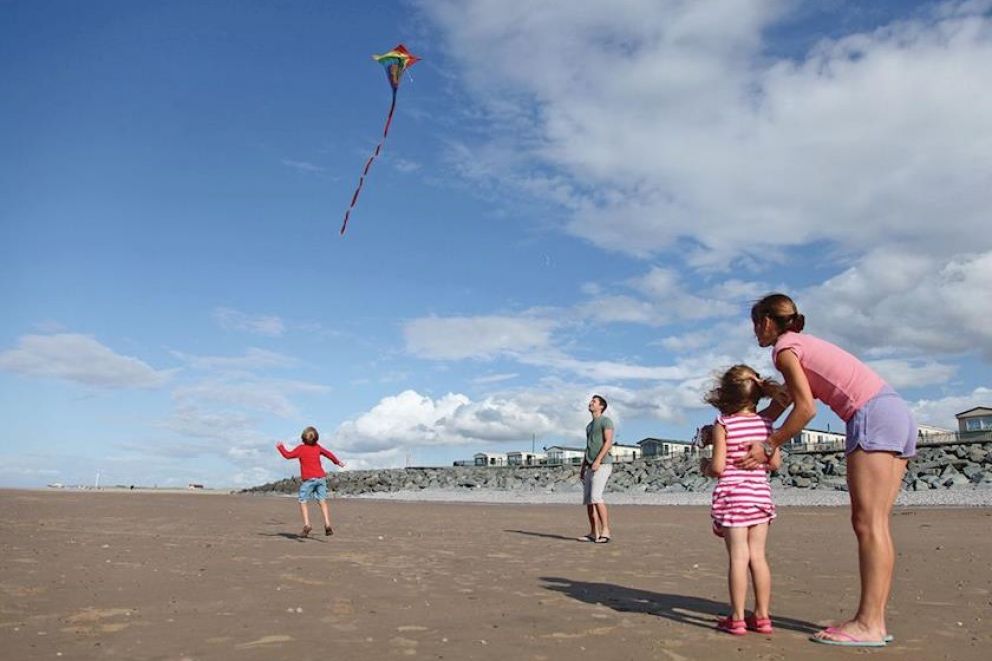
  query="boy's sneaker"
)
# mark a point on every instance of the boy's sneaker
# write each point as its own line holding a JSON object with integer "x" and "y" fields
{"x": 328, "y": 531}
{"x": 306, "y": 531}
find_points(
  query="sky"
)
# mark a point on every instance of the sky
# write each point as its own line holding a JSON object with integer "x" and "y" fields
{"x": 575, "y": 198}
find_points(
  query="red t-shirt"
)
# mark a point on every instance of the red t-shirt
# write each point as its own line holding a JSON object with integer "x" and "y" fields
{"x": 309, "y": 456}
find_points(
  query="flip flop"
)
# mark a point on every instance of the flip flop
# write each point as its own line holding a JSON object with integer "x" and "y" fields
{"x": 887, "y": 638}
{"x": 847, "y": 639}
{"x": 586, "y": 538}
{"x": 603, "y": 539}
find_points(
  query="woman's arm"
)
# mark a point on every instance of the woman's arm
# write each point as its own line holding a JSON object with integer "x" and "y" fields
{"x": 803, "y": 409}
{"x": 781, "y": 399}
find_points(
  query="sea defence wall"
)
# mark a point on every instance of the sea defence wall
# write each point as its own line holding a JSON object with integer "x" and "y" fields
{"x": 945, "y": 466}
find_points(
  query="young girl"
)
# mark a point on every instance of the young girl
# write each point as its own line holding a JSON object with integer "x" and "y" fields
{"x": 314, "y": 484}
{"x": 742, "y": 505}
{"x": 881, "y": 436}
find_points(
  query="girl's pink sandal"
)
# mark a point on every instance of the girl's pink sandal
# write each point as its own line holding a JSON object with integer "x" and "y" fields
{"x": 733, "y": 627}
{"x": 762, "y": 625}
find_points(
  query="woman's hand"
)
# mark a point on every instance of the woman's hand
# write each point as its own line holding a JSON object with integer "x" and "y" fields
{"x": 755, "y": 457}
{"x": 595, "y": 466}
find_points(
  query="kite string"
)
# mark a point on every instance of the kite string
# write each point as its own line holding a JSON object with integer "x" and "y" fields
{"x": 368, "y": 164}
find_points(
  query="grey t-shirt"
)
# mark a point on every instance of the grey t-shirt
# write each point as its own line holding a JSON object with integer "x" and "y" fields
{"x": 595, "y": 439}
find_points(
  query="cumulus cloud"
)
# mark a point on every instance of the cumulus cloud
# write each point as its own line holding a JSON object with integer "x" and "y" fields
{"x": 554, "y": 410}
{"x": 484, "y": 337}
{"x": 911, "y": 301}
{"x": 912, "y": 374}
{"x": 81, "y": 359}
{"x": 679, "y": 124}
{"x": 230, "y": 319}
{"x": 940, "y": 412}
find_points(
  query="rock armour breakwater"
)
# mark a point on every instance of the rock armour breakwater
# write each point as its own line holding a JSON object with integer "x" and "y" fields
{"x": 959, "y": 466}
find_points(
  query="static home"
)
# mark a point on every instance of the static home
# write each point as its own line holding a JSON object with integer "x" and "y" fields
{"x": 663, "y": 447}
{"x": 490, "y": 458}
{"x": 978, "y": 419}
{"x": 809, "y": 439}
{"x": 560, "y": 454}
{"x": 623, "y": 452}
{"x": 522, "y": 458}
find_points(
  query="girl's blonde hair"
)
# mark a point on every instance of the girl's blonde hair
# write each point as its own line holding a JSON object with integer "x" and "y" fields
{"x": 310, "y": 436}
{"x": 781, "y": 310}
{"x": 739, "y": 388}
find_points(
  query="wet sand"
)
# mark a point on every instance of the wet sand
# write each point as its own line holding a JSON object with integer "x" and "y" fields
{"x": 190, "y": 576}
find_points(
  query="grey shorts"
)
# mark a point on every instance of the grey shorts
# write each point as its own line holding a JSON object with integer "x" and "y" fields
{"x": 883, "y": 424}
{"x": 594, "y": 483}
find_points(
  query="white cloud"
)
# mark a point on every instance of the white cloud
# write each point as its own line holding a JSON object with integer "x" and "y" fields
{"x": 247, "y": 394}
{"x": 252, "y": 359}
{"x": 405, "y": 165}
{"x": 303, "y": 166}
{"x": 910, "y": 301}
{"x": 912, "y": 374}
{"x": 406, "y": 419}
{"x": 484, "y": 337}
{"x": 230, "y": 319}
{"x": 554, "y": 411}
{"x": 494, "y": 378}
{"x": 81, "y": 359}
{"x": 678, "y": 124}
{"x": 941, "y": 412}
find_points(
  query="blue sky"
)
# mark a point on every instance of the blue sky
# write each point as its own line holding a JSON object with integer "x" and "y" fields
{"x": 574, "y": 198}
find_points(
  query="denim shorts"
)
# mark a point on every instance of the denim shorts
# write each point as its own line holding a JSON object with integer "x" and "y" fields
{"x": 313, "y": 489}
{"x": 883, "y": 424}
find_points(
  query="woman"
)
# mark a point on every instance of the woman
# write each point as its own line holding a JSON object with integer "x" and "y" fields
{"x": 881, "y": 437}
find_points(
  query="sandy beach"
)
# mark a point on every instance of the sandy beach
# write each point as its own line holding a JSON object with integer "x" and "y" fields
{"x": 186, "y": 576}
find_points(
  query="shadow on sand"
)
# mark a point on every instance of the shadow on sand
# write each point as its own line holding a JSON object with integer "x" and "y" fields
{"x": 292, "y": 535}
{"x": 546, "y": 535}
{"x": 684, "y": 609}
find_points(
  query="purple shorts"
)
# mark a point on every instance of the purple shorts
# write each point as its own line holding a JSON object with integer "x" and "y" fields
{"x": 883, "y": 424}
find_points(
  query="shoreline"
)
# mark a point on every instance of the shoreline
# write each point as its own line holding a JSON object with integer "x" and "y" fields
{"x": 976, "y": 498}
{"x": 782, "y": 497}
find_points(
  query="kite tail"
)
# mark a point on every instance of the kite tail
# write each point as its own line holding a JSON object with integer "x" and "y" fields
{"x": 368, "y": 164}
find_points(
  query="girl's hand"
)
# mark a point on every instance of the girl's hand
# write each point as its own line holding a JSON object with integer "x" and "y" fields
{"x": 755, "y": 457}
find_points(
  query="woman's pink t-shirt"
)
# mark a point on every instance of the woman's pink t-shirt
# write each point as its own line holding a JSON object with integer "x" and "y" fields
{"x": 836, "y": 378}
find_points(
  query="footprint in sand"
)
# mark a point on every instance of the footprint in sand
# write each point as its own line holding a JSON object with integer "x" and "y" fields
{"x": 265, "y": 640}
{"x": 91, "y": 620}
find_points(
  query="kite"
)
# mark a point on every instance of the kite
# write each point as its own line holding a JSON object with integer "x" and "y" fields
{"x": 396, "y": 62}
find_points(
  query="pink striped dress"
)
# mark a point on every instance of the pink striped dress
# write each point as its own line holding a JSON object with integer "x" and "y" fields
{"x": 742, "y": 498}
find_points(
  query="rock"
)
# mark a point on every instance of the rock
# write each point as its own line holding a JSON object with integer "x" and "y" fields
{"x": 835, "y": 483}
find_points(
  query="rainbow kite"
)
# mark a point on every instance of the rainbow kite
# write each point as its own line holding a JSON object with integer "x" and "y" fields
{"x": 396, "y": 62}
